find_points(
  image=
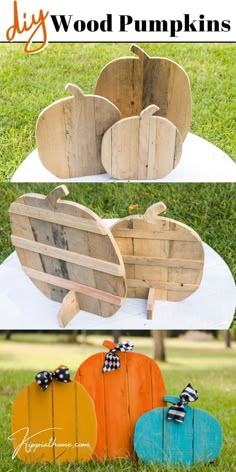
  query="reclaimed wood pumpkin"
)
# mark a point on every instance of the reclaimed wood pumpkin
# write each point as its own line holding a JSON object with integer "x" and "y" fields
{"x": 120, "y": 397}
{"x": 163, "y": 258}
{"x": 141, "y": 147}
{"x": 158, "y": 440}
{"x": 69, "y": 133}
{"x": 134, "y": 83}
{"x": 68, "y": 253}
{"x": 60, "y": 420}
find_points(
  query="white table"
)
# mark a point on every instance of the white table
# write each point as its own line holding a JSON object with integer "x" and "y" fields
{"x": 212, "y": 306}
{"x": 201, "y": 162}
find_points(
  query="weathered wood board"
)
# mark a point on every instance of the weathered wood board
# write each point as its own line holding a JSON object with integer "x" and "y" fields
{"x": 69, "y": 133}
{"x": 141, "y": 147}
{"x": 159, "y": 253}
{"x": 57, "y": 420}
{"x": 158, "y": 440}
{"x": 120, "y": 397}
{"x": 133, "y": 83}
{"x": 68, "y": 253}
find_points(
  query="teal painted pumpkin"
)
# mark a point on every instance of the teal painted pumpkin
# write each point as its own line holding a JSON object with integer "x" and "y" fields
{"x": 158, "y": 440}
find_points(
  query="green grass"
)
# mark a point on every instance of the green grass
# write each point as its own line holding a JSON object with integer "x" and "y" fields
{"x": 31, "y": 82}
{"x": 208, "y": 365}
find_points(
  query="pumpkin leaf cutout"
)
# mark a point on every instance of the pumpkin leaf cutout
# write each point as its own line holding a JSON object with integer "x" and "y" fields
{"x": 69, "y": 133}
{"x": 141, "y": 147}
{"x": 120, "y": 397}
{"x": 68, "y": 253}
{"x": 134, "y": 83}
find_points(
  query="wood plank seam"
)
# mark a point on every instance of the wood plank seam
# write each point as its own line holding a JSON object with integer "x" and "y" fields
{"x": 136, "y": 283}
{"x": 163, "y": 262}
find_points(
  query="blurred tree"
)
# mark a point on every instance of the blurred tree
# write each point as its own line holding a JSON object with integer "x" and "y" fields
{"x": 159, "y": 346}
{"x": 228, "y": 338}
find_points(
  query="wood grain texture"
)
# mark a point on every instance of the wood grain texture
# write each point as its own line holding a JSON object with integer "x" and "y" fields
{"x": 65, "y": 246}
{"x": 161, "y": 441}
{"x": 141, "y": 147}
{"x": 69, "y": 133}
{"x": 134, "y": 83}
{"x": 57, "y": 419}
{"x": 120, "y": 397}
{"x": 159, "y": 253}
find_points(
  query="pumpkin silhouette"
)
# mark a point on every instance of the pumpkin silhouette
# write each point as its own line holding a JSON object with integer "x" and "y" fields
{"x": 68, "y": 253}
{"x": 120, "y": 397}
{"x": 159, "y": 440}
{"x": 56, "y": 419}
{"x": 141, "y": 147}
{"x": 134, "y": 83}
{"x": 69, "y": 133}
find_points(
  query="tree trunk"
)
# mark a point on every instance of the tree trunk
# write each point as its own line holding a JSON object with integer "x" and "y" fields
{"x": 159, "y": 347}
{"x": 116, "y": 335}
{"x": 8, "y": 335}
{"x": 228, "y": 338}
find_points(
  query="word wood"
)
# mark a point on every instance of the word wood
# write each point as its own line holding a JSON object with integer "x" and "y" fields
{"x": 120, "y": 397}
{"x": 141, "y": 147}
{"x": 69, "y": 133}
{"x": 65, "y": 413}
{"x": 68, "y": 253}
{"x": 159, "y": 440}
{"x": 163, "y": 258}
{"x": 134, "y": 83}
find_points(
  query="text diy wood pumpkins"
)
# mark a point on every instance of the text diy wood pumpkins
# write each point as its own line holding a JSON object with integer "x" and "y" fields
{"x": 85, "y": 135}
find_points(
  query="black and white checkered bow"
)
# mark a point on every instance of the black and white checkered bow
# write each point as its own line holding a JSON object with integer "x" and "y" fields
{"x": 112, "y": 360}
{"x": 44, "y": 378}
{"x": 177, "y": 411}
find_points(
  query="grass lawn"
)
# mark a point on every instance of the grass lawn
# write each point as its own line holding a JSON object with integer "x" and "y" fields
{"x": 29, "y": 83}
{"x": 208, "y": 365}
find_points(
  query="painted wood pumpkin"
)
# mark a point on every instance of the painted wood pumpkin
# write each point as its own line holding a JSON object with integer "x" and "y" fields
{"x": 60, "y": 420}
{"x": 141, "y": 147}
{"x": 69, "y": 133}
{"x": 158, "y": 440}
{"x": 120, "y": 397}
{"x": 68, "y": 253}
{"x": 163, "y": 258}
{"x": 134, "y": 83}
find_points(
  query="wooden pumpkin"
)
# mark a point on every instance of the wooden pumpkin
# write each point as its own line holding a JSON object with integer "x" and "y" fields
{"x": 120, "y": 397}
{"x": 159, "y": 440}
{"x": 69, "y": 254}
{"x": 69, "y": 133}
{"x": 141, "y": 147}
{"x": 163, "y": 258}
{"x": 133, "y": 83}
{"x": 61, "y": 421}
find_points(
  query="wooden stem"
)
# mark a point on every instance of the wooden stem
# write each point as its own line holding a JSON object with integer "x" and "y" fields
{"x": 171, "y": 399}
{"x": 149, "y": 111}
{"x": 109, "y": 344}
{"x": 74, "y": 90}
{"x": 153, "y": 212}
{"x": 56, "y": 194}
{"x": 139, "y": 52}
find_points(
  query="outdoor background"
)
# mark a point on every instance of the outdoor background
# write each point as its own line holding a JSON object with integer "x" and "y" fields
{"x": 194, "y": 357}
{"x": 29, "y": 83}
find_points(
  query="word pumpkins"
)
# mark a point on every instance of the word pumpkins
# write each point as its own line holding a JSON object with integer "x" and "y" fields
{"x": 68, "y": 253}
{"x": 120, "y": 397}
{"x": 159, "y": 440}
{"x": 163, "y": 258}
{"x": 58, "y": 424}
{"x": 141, "y": 147}
{"x": 69, "y": 133}
{"x": 133, "y": 84}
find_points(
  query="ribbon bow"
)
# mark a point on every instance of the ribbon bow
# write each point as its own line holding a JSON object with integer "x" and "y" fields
{"x": 112, "y": 360}
{"x": 177, "y": 411}
{"x": 44, "y": 378}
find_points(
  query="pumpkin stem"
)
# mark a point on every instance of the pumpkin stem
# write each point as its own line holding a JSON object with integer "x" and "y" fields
{"x": 139, "y": 52}
{"x": 153, "y": 212}
{"x": 171, "y": 399}
{"x": 109, "y": 344}
{"x": 74, "y": 90}
{"x": 149, "y": 111}
{"x": 56, "y": 194}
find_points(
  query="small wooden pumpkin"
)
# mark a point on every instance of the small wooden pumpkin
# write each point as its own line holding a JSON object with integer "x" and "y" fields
{"x": 120, "y": 397}
{"x": 69, "y": 133}
{"x": 61, "y": 420}
{"x": 141, "y": 147}
{"x": 159, "y": 440}
{"x": 69, "y": 254}
{"x": 133, "y": 84}
{"x": 163, "y": 258}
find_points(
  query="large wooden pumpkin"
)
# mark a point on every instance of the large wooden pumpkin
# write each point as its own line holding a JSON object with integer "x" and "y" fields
{"x": 141, "y": 147}
{"x": 158, "y": 440}
{"x": 69, "y": 133}
{"x": 120, "y": 397}
{"x": 163, "y": 258}
{"x": 133, "y": 83}
{"x": 60, "y": 420}
{"x": 68, "y": 253}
